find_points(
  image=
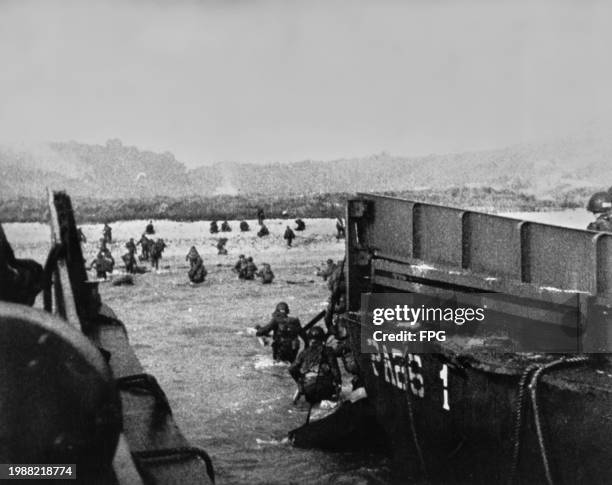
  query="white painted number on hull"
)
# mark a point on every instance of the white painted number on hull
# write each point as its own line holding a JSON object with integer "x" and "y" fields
{"x": 391, "y": 367}
{"x": 417, "y": 384}
{"x": 444, "y": 377}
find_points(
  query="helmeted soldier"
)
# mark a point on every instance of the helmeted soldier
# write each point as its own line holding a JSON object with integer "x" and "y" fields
{"x": 106, "y": 254}
{"x": 197, "y": 272}
{"x": 263, "y": 231}
{"x": 131, "y": 245}
{"x": 145, "y": 245}
{"x": 129, "y": 258}
{"x": 286, "y": 333}
{"x": 107, "y": 233}
{"x": 328, "y": 270}
{"x": 240, "y": 266}
{"x": 155, "y": 252}
{"x": 130, "y": 262}
{"x": 221, "y": 246}
{"x": 266, "y": 274}
{"x": 289, "y": 236}
{"x": 600, "y": 204}
{"x": 192, "y": 255}
{"x": 102, "y": 265}
{"x": 316, "y": 369}
{"x": 250, "y": 269}
{"x": 149, "y": 229}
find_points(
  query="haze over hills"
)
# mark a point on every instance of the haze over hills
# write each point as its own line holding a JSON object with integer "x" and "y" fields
{"x": 115, "y": 171}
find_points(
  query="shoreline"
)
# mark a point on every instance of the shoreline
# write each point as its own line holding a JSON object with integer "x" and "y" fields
{"x": 238, "y": 207}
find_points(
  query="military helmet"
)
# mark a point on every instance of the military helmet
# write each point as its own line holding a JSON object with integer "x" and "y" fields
{"x": 250, "y": 259}
{"x": 600, "y": 202}
{"x": 330, "y": 261}
{"x": 282, "y": 307}
{"x": 316, "y": 333}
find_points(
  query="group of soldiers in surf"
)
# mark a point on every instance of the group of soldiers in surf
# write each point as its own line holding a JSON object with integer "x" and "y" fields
{"x": 151, "y": 251}
{"x": 244, "y": 225}
{"x": 315, "y": 369}
{"x": 246, "y": 269}
{"x": 289, "y": 234}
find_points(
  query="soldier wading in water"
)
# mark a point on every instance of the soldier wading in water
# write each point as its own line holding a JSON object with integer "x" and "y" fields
{"x": 316, "y": 370}
{"x": 197, "y": 272}
{"x": 286, "y": 333}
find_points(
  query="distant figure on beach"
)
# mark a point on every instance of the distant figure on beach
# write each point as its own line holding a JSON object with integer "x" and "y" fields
{"x": 250, "y": 269}
{"x": 197, "y": 272}
{"x": 150, "y": 229}
{"x": 105, "y": 252}
{"x": 101, "y": 265}
{"x": 240, "y": 266}
{"x": 221, "y": 246}
{"x": 300, "y": 225}
{"x": 145, "y": 245}
{"x": 107, "y": 233}
{"x": 260, "y": 216}
{"x": 155, "y": 252}
{"x": 214, "y": 228}
{"x": 131, "y": 245}
{"x": 263, "y": 231}
{"x": 104, "y": 262}
{"x": 266, "y": 274}
{"x": 244, "y": 226}
{"x": 81, "y": 236}
{"x": 289, "y": 236}
{"x": 327, "y": 271}
{"x": 225, "y": 227}
{"x": 340, "y": 228}
{"x": 129, "y": 258}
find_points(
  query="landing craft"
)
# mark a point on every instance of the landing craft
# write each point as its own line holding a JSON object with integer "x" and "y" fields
{"x": 72, "y": 391}
{"x": 488, "y": 408}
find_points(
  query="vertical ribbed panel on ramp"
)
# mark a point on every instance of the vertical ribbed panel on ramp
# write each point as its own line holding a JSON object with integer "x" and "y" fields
{"x": 494, "y": 246}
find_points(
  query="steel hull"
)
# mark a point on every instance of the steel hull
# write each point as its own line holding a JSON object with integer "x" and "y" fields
{"x": 465, "y": 424}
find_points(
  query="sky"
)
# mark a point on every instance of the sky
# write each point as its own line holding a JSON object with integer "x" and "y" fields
{"x": 280, "y": 81}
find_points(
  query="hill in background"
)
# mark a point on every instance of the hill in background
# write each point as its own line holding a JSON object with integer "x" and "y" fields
{"x": 117, "y": 171}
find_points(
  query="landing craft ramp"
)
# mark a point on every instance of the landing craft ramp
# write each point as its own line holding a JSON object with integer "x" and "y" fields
{"x": 526, "y": 401}
{"x": 417, "y": 247}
